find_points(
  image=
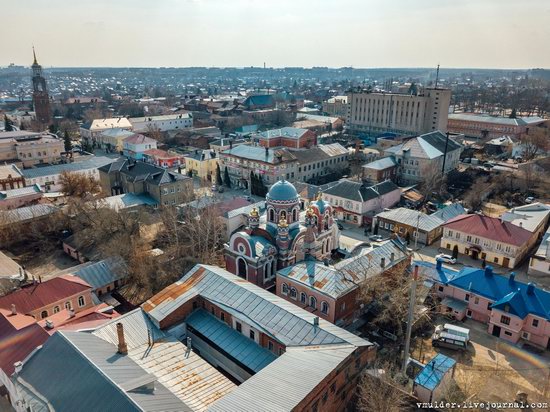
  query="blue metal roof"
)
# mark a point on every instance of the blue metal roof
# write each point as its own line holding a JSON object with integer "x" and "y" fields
{"x": 282, "y": 191}
{"x": 238, "y": 346}
{"x": 517, "y": 297}
{"x": 102, "y": 273}
{"x": 434, "y": 371}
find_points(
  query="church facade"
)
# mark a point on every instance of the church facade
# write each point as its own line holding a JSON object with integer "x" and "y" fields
{"x": 281, "y": 238}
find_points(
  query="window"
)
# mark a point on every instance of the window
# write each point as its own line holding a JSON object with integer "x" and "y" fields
{"x": 507, "y": 333}
{"x": 239, "y": 327}
{"x": 81, "y": 301}
{"x": 284, "y": 289}
{"x": 535, "y": 323}
{"x": 467, "y": 297}
{"x": 495, "y": 260}
{"x": 313, "y": 302}
{"x": 270, "y": 345}
{"x": 44, "y": 314}
{"x": 56, "y": 310}
{"x": 293, "y": 293}
{"x": 252, "y": 334}
{"x": 505, "y": 320}
{"x": 469, "y": 313}
{"x": 68, "y": 305}
{"x": 440, "y": 288}
{"x": 222, "y": 316}
{"x": 280, "y": 351}
{"x": 525, "y": 335}
{"x": 303, "y": 298}
{"x": 489, "y": 305}
{"x": 213, "y": 310}
{"x": 324, "y": 307}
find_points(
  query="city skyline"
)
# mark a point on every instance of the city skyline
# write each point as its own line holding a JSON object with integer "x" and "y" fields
{"x": 248, "y": 33}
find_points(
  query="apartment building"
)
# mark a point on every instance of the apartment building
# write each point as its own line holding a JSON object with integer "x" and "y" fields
{"x": 162, "y": 123}
{"x": 491, "y": 239}
{"x": 404, "y": 114}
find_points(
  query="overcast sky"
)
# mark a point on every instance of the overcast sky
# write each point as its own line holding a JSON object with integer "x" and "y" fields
{"x": 334, "y": 33}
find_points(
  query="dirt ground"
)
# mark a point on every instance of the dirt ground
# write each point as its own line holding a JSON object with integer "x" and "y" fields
{"x": 493, "y": 369}
{"x": 45, "y": 265}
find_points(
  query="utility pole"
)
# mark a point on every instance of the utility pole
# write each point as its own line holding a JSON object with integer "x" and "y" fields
{"x": 445, "y": 154}
{"x": 417, "y": 234}
{"x": 410, "y": 320}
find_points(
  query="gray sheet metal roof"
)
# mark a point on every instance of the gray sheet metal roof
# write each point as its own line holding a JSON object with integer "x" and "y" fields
{"x": 245, "y": 210}
{"x": 409, "y": 217}
{"x": 75, "y": 370}
{"x": 258, "y": 153}
{"x": 473, "y": 117}
{"x": 286, "y": 382}
{"x": 284, "y": 321}
{"x": 449, "y": 212}
{"x": 93, "y": 163}
{"x": 381, "y": 164}
{"x": 358, "y": 192}
{"x": 183, "y": 372}
{"x": 243, "y": 349}
{"x": 102, "y": 273}
{"x": 23, "y": 214}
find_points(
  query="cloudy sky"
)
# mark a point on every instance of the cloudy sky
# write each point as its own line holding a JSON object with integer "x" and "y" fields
{"x": 334, "y": 33}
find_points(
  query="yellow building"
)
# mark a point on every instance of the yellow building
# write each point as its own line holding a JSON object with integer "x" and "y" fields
{"x": 202, "y": 164}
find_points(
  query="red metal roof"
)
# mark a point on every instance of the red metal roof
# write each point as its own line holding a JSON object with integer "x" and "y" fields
{"x": 17, "y": 344}
{"x": 489, "y": 228}
{"x": 33, "y": 297}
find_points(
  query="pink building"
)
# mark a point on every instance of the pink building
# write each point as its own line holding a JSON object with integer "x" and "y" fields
{"x": 162, "y": 158}
{"x": 513, "y": 310}
{"x": 24, "y": 196}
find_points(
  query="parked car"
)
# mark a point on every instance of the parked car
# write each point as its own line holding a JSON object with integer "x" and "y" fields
{"x": 446, "y": 258}
{"x": 529, "y": 199}
{"x": 340, "y": 226}
{"x": 376, "y": 238}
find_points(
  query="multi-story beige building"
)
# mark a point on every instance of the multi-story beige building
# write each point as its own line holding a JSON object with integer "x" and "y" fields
{"x": 489, "y": 127}
{"x": 202, "y": 164}
{"x": 406, "y": 114}
{"x": 30, "y": 148}
{"x": 493, "y": 240}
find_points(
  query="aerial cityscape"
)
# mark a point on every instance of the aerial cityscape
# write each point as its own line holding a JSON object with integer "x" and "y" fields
{"x": 348, "y": 211}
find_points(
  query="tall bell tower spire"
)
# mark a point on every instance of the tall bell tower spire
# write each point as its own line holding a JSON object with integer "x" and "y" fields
{"x": 40, "y": 97}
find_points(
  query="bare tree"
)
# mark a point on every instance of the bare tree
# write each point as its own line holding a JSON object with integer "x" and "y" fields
{"x": 535, "y": 143}
{"x": 154, "y": 132}
{"x": 93, "y": 113}
{"x": 78, "y": 185}
{"x": 378, "y": 391}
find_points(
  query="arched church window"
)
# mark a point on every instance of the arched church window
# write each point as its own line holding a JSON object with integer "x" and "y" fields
{"x": 295, "y": 215}
{"x": 324, "y": 307}
{"x": 241, "y": 268}
{"x": 293, "y": 293}
{"x": 271, "y": 215}
{"x": 284, "y": 289}
{"x": 313, "y": 302}
{"x": 303, "y": 298}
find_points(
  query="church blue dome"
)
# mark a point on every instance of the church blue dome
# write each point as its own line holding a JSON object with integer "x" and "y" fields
{"x": 282, "y": 191}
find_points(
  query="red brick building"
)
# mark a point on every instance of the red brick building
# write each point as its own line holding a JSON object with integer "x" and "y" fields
{"x": 287, "y": 137}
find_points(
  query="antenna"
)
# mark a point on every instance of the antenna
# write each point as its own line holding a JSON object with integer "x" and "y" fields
{"x": 437, "y": 76}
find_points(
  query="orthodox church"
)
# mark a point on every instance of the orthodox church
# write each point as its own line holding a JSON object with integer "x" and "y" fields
{"x": 282, "y": 237}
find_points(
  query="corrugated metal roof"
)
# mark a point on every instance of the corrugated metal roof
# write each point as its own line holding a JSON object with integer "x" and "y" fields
{"x": 243, "y": 349}
{"x": 93, "y": 163}
{"x": 258, "y": 153}
{"x": 286, "y": 382}
{"x": 474, "y": 117}
{"x": 23, "y": 214}
{"x": 127, "y": 200}
{"x": 451, "y": 211}
{"x": 381, "y": 164}
{"x": 432, "y": 374}
{"x": 183, "y": 372}
{"x": 75, "y": 370}
{"x": 102, "y": 273}
{"x": 264, "y": 310}
{"x": 22, "y": 191}
{"x": 411, "y": 217}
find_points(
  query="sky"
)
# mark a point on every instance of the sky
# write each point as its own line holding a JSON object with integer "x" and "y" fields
{"x": 223, "y": 33}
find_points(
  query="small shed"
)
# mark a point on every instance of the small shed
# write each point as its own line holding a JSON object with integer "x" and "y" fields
{"x": 434, "y": 378}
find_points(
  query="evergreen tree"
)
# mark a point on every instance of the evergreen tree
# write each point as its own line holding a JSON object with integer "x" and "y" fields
{"x": 8, "y": 125}
{"x": 253, "y": 185}
{"x": 226, "y": 178}
{"x": 513, "y": 115}
{"x": 262, "y": 187}
{"x": 67, "y": 141}
{"x": 219, "y": 175}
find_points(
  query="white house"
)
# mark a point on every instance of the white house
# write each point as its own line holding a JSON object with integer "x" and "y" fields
{"x": 89, "y": 132}
{"x": 162, "y": 123}
{"x": 357, "y": 203}
{"x": 135, "y": 145}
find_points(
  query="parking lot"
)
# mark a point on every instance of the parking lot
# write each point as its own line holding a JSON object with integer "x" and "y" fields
{"x": 493, "y": 369}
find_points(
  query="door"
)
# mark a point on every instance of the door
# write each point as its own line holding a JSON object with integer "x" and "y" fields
{"x": 496, "y": 331}
{"x": 474, "y": 254}
{"x": 505, "y": 262}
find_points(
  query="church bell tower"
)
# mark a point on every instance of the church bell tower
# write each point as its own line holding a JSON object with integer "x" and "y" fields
{"x": 40, "y": 98}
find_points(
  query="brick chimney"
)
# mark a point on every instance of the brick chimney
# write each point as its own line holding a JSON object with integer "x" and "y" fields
{"x": 13, "y": 309}
{"x": 122, "y": 348}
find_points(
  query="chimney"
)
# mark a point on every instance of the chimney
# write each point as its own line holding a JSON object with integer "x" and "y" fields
{"x": 316, "y": 321}
{"x": 122, "y": 348}
{"x": 18, "y": 366}
{"x": 13, "y": 309}
{"x": 512, "y": 277}
{"x": 392, "y": 256}
{"x": 488, "y": 271}
{"x": 520, "y": 224}
{"x": 530, "y": 288}
{"x": 49, "y": 324}
{"x": 383, "y": 262}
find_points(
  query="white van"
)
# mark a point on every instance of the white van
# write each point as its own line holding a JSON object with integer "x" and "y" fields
{"x": 454, "y": 330}
{"x": 446, "y": 340}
